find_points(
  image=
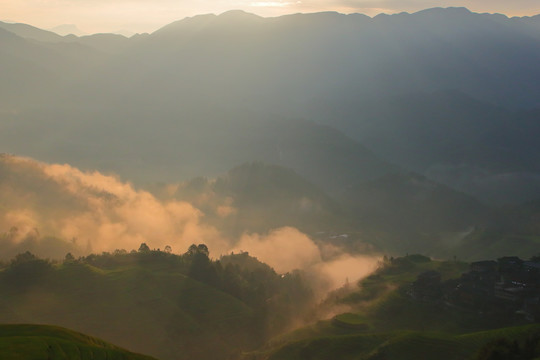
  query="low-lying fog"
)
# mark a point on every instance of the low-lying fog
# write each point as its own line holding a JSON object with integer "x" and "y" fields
{"x": 52, "y": 209}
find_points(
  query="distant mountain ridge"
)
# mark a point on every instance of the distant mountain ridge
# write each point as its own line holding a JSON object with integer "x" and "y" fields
{"x": 474, "y": 146}
{"x": 31, "y": 32}
{"x": 204, "y": 94}
{"x": 67, "y": 29}
{"x": 101, "y": 42}
{"x": 426, "y": 45}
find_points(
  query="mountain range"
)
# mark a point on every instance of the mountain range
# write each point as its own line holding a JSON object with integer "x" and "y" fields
{"x": 447, "y": 93}
{"x": 397, "y": 119}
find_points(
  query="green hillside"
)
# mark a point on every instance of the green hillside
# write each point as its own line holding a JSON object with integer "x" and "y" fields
{"x": 385, "y": 320}
{"x": 152, "y": 302}
{"x": 152, "y": 312}
{"x": 400, "y": 345}
{"x": 515, "y": 230}
{"x": 46, "y": 342}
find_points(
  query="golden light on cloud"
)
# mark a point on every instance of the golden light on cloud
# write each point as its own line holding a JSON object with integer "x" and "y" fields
{"x": 98, "y": 210}
{"x": 90, "y": 211}
{"x": 284, "y": 249}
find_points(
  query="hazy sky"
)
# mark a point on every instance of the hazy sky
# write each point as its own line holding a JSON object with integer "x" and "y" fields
{"x": 148, "y": 15}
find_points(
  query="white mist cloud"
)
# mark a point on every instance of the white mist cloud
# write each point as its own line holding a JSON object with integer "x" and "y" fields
{"x": 94, "y": 212}
{"x": 284, "y": 249}
{"x": 22, "y": 222}
{"x": 347, "y": 268}
{"x": 287, "y": 249}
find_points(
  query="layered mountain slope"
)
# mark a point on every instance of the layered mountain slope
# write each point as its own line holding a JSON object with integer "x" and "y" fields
{"x": 476, "y": 147}
{"x": 293, "y": 59}
{"x": 515, "y": 229}
{"x": 109, "y": 43}
{"x": 154, "y": 144}
{"x": 257, "y": 197}
{"x": 31, "y": 32}
{"x": 38, "y": 72}
{"x": 409, "y": 213}
{"x": 207, "y": 93}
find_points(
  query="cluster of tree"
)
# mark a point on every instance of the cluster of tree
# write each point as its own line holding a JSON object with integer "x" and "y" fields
{"x": 26, "y": 268}
{"x": 505, "y": 349}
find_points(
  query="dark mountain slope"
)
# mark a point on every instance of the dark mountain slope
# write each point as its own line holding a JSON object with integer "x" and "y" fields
{"x": 154, "y": 144}
{"x": 397, "y": 212}
{"x": 409, "y": 213}
{"x": 22, "y": 72}
{"x": 37, "y": 72}
{"x": 257, "y": 197}
{"x": 31, "y": 32}
{"x": 515, "y": 231}
{"x": 296, "y": 58}
{"x": 470, "y": 145}
{"x": 216, "y": 77}
{"x": 108, "y": 43}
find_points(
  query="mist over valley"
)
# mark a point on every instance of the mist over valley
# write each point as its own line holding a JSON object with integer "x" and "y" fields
{"x": 307, "y": 186}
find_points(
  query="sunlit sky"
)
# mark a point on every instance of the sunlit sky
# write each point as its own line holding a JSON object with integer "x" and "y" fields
{"x": 93, "y": 16}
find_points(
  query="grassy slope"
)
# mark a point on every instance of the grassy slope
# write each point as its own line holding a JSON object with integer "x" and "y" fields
{"x": 384, "y": 307}
{"x": 378, "y": 305}
{"x": 157, "y": 312}
{"x": 400, "y": 345}
{"x": 55, "y": 343}
{"x": 395, "y": 327}
{"x": 486, "y": 244}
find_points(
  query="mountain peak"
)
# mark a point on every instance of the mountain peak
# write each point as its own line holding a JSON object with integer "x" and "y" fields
{"x": 237, "y": 17}
{"x": 31, "y": 32}
{"x": 67, "y": 29}
{"x": 194, "y": 22}
{"x": 200, "y": 22}
{"x": 446, "y": 11}
{"x": 238, "y": 14}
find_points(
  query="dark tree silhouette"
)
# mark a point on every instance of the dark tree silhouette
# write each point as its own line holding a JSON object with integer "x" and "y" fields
{"x": 144, "y": 248}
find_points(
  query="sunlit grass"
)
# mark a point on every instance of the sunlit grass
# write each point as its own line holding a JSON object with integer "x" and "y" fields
{"x": 52, "y": 343}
